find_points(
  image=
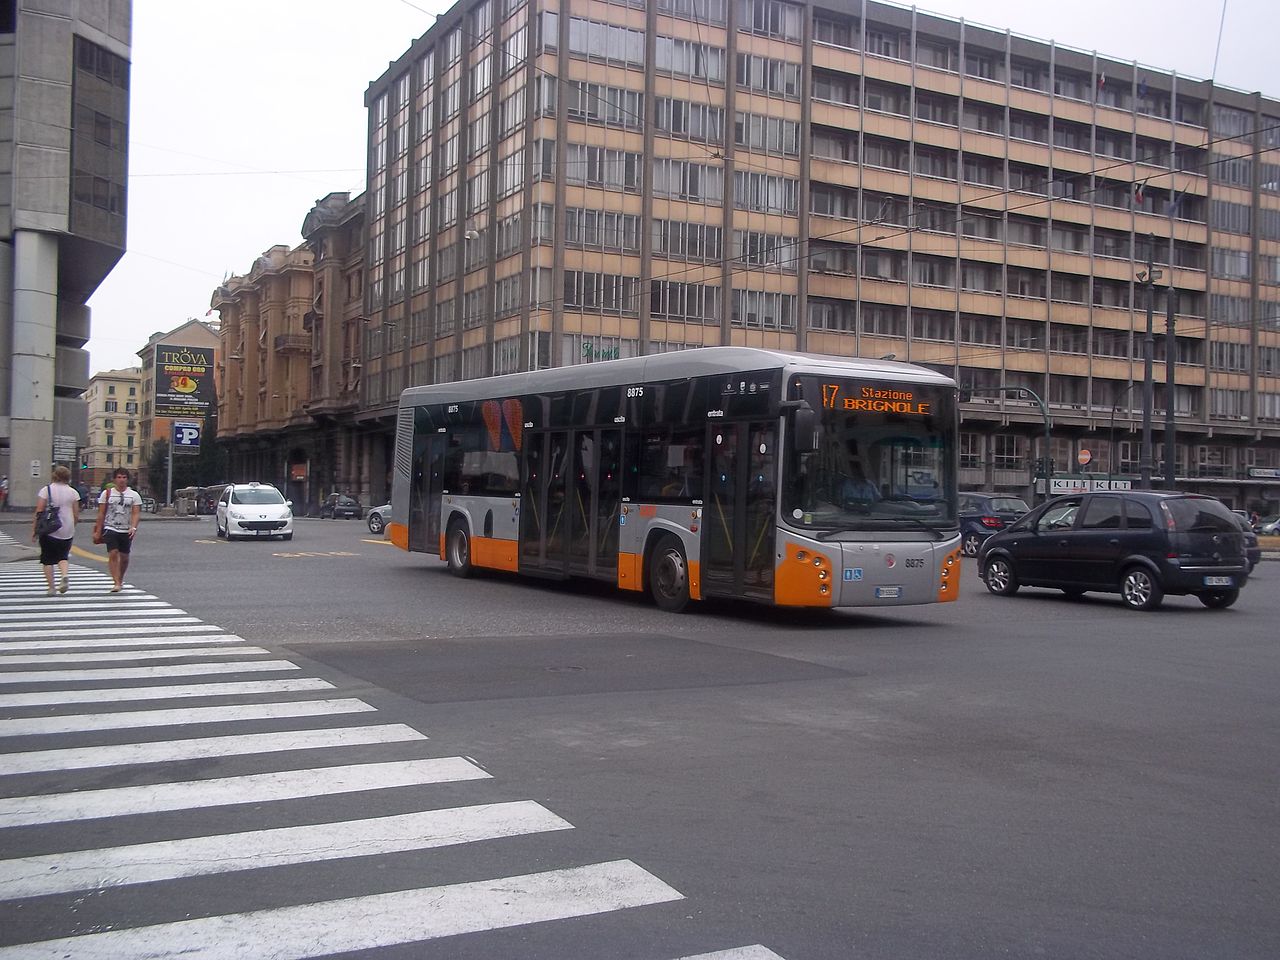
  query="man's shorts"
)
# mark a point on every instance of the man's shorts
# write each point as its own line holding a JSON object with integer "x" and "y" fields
{"x": 116, "y": 541}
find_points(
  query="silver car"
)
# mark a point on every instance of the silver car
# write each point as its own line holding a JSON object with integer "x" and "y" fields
{"x": 378, "y": 518}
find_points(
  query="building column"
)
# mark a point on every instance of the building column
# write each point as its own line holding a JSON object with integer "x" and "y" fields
{"x": 35, "y": 323}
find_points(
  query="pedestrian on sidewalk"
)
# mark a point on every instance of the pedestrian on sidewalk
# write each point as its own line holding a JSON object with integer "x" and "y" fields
{"x": 55, "y": 546}
{"x": 119, "y": 509}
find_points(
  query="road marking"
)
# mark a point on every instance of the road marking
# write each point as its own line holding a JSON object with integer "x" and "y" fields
{"x": 117, "y": 694}
{"x": 125, "y": 720}
{"x": 365, "y": 923}
{"x": 228, "y": 791}
{"x": 311, "y": 554}
{"x": 146, "y": 673}
{"x": 112, "y": 617}
{"x": 753, "y": 952}
{"x": 84, "y": 554}
{"x": 258, "y": 849}
{"x": 90, "y": 642}
{"x": 385, "y": 543}
{"x": 7, "y": 659}
{"x": 115, "y": 629}
{"x": 202, "y": 748}
{"x": 75, "y": 604}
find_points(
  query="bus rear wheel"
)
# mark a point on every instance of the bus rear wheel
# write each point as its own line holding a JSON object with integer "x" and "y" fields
{"x": 458, "y": 549}
{"x": 669, "y": 575}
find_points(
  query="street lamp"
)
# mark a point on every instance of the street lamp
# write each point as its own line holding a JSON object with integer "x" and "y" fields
{"x": 1148, "y": 278}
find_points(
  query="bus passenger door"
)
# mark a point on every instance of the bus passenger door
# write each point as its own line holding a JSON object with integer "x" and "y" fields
{"x": 738, "y": 526}
{"x": 608, "y": 504}
{"x": 544, "y": 515}
{"x": 583, "y": 477}
{"x": 424, "y": 494}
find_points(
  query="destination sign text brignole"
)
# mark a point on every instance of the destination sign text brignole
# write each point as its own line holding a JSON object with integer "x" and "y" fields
{"x": 875, "y": 400}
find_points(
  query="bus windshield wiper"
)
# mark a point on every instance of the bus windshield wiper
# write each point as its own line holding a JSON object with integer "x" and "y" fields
{"x": 871, "y": 523}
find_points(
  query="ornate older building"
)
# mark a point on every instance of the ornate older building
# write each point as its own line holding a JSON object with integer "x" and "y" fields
{"x": 291, "y": 333}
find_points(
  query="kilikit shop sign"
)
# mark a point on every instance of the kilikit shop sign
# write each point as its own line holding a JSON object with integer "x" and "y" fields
{"x": 184, "y": 381}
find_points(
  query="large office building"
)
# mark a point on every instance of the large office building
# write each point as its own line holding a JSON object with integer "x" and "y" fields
{"x": 64, "y": 112}
{"x": 556, "y": 183}
{"x": 112, "y": 403}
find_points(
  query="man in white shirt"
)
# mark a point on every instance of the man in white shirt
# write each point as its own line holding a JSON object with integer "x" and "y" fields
{"x": 119, "y": 509}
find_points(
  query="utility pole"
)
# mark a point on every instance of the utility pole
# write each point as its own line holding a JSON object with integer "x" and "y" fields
{"x": 1170, "y": 361}
{"x": 1148, "y": 278}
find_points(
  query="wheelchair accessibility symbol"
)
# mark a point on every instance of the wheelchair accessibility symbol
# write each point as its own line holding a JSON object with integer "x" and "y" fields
{"x": 853, "y": 573}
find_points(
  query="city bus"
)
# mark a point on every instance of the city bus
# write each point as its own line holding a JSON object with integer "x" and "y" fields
{"x": 792, "y": 479}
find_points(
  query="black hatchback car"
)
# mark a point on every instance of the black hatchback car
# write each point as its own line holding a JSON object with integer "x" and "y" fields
{"x": 1141, "y": 544}
{"x": 338, "y": 505}
{"x": 983, "y": 514}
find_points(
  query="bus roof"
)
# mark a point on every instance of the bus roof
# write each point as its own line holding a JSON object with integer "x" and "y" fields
{"x": 698, "y": 362}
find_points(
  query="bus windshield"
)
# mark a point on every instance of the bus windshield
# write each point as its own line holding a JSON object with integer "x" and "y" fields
{"x": 883, "y": 461}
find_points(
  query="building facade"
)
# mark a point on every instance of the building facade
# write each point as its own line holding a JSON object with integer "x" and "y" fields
{"x": 64, "y": 117}
{"x": 114, "y": 418}
{"x": 202, "y": 339}
{"x": 559, "y": 182}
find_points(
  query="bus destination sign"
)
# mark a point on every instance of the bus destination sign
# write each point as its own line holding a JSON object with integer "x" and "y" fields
{"x": 874, "y": 400}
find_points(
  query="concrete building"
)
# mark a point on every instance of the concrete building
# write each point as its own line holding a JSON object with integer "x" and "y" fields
{"x": 556, "y": 183}
{"x": 203, "y": 341}
{"x": 112, "y": 402}
{"x": 64, "y": 121}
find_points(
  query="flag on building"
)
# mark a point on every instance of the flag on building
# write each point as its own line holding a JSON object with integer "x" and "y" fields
{"x": 1175, "y": 203}
{"x": 1142, "y": 88}
{"x": 1138, "y": 189}
{"x": 1102, "y": 80}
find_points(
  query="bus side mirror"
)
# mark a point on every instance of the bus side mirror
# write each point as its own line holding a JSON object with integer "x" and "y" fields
{"x": 804, "y": 429}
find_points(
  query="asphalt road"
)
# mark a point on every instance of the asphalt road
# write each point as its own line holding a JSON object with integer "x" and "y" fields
{"x": 1023, "y": 777}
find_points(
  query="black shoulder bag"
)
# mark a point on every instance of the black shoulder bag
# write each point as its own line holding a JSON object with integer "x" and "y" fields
{"x": 50, "y": 519}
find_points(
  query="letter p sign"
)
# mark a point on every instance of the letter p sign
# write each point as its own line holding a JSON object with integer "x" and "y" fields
{"x": 186, "y": 438}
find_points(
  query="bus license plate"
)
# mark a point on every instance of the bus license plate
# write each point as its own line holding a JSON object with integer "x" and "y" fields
{"x": 888, "y": 593}
{"x": 1217, "y": 581}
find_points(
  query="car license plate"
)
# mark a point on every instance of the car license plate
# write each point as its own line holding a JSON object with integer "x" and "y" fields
{"x": 1218, "y": 581}
{"x": 888, "y": 593}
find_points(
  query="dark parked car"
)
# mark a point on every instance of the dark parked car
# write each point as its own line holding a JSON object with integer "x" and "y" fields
{"x": 1141, "y": 544}
{"x": 1252, "y": 549}
{"x": 339, "y": 506}
{"x": 982, "y": 514}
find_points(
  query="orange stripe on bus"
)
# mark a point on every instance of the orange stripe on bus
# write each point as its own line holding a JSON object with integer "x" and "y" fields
{"x": 695, "y": 580}
{"x": 495, "y": 554}
{"x": 398, "y": 534}
{"x": 630, "y": 571}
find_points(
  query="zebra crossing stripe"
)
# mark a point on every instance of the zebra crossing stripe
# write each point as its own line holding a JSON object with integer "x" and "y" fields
{"x": 115, "y": 629}
{"x": 127, "y": 720}
{"x": 230, "y": 689}
{"x": 753, "y": 952}
{"x": 71, "y": 603}
{"x": 112, "y": 641}
{"x": 178, "y": 653}
{"x": 227, "y": 791}
{"x": 365, "y": 923}
{"x": 204, "y": 748}
{"x": 92, "y": 616}
{"x": 251, "y": 850}
{"x": 146, "y": 673}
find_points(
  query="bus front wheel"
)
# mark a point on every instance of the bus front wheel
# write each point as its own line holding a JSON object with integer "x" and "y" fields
{"x": 458, "y": 549}
{"x": 669, "y": 575}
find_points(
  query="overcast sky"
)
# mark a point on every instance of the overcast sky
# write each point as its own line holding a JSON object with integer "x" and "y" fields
{"x": 245, "y": 113}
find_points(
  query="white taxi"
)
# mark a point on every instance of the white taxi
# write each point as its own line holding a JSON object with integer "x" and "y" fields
{"x": 252, "y": 510}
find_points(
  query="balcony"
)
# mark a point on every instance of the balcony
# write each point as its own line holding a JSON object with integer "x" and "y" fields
{"x": 293, "y": 343}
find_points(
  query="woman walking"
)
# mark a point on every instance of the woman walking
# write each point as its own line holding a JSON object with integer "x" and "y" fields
{"x": 55, "y": 547}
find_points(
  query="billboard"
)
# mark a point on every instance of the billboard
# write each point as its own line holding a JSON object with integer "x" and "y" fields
{"x": 184, "y": 381}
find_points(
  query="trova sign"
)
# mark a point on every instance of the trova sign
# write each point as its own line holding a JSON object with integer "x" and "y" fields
{"x": 184, "y": 381}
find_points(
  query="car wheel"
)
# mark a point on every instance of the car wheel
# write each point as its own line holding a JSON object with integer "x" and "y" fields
{"x": 218, "y": 531}
{"x": 286, "y": 536}
{"x": 458, "y": 549}
{"x": 1140, "y": 590}
{"x": 971, "y": 545}
{"x": 1219, "y": 599}
{"x": 1000, "y": 577}
{"x": 1073, "y": 593}
{"x": 669, "y": 575}
{"x": 375, "y": 523}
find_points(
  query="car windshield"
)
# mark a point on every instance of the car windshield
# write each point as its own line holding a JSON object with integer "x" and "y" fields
{"x": 885, "y": 458}
{"x": 257, "y": 496}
